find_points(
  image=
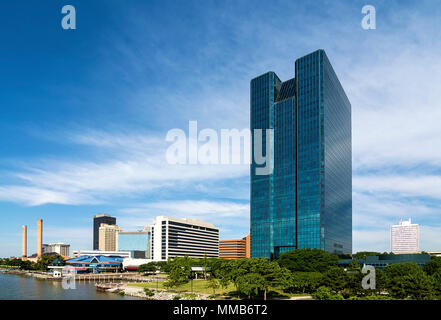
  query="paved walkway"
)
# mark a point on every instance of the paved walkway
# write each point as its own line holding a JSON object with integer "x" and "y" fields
{"x": 300, "y": 298}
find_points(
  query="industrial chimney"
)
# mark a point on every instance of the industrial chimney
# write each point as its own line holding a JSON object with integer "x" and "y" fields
{"x": 25, "y": 242}
{"x": 40, "y": 238}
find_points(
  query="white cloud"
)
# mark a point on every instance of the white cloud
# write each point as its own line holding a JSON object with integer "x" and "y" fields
{"x": 132, "y": 165}
{"x": 401, "y": 185}
{"x": 221, "y": 212}
{"x": 34, "y": 196}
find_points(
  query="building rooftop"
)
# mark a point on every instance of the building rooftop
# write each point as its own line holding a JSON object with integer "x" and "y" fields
{"x": 197, "y": 222}
{"x": 101, "y": 215}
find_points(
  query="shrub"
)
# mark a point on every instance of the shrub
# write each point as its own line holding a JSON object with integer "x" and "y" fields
{"x": 324, "y": 293}
{"x": 148, "y": 292}
{"x": 373, "y": 297}
{"x": 189, "y": 296}
{"x": 177, "y": 297}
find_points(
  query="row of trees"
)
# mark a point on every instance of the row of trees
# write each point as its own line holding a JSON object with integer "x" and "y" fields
{"x": 312, "y": 270}
{"x": 250, "y": 277}
{"x": 41, "y": 265}
{"x": 309, "y": 271}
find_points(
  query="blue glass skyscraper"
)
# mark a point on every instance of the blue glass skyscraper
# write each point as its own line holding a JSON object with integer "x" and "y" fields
{"x": 306, "y": 202}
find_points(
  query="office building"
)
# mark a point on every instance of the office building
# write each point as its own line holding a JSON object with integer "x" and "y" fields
{"x": 172, "y": 237}
{"x": 59, "y": 248}
{"x": 234, "y": 249}
{"x": 248, "y": 246}
{"x": 107, "y": 237}
{"x": 97, "y": 221}
{"x": 405, "y": 237}
{"x": 137, "y": 243}
{"x": 306, "y": 201}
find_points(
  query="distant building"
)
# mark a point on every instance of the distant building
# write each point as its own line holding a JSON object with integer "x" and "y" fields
{"x": 248, "y": 245}
{"x": 383, "y": 260}
{"x": 172, "y": 237}
{"x": 137, "y": 243}
{"x": 97, "y": 221}
{"x": 405, "y": 237}
{"x": 60, "y": 248}
{"x": 44, "y": 248}
{"x": 234, "y": 249}
{"x": 107, "y": 237}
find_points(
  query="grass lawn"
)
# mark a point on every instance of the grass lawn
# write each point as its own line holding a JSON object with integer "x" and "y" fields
{"x": 199, "y": 286}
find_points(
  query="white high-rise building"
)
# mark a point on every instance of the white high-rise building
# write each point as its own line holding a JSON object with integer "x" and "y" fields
{"x": 172, "y": 237}
{"x": 405, "y": 237}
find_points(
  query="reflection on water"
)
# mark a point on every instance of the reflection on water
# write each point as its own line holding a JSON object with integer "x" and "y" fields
{"x": 17, "y": 287}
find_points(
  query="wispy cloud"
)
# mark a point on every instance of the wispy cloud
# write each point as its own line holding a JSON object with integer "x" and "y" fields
{"x": 131, "y": 165}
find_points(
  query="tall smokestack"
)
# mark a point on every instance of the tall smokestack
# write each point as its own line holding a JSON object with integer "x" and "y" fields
{"x": 40, "y": 238}
{"x": 25, "y": 241}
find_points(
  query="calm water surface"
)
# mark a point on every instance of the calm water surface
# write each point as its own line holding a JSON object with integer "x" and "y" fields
{"x": 18, "y": 287}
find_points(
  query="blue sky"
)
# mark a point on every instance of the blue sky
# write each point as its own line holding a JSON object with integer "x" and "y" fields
{"x": 84, "y": 113}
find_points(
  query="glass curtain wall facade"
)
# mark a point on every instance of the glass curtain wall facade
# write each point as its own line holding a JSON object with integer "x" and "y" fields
{"x": 307, "y": 201}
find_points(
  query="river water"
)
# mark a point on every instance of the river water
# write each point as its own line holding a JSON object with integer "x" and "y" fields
{"x": 19, "y": 287}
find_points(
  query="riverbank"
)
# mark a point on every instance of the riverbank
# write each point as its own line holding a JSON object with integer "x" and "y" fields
{"x": 28, "y": 273}
{"x": 153, "y": 294}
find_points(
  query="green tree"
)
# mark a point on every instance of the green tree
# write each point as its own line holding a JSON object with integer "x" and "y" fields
{"x": 305, "y": 282}
{"x": 236, "y": 269}
{"x": 214, "y": 284}
{"x": 433, "y": 266}
{"x": 325, "y": 293}
{"x": 408, "y": 280}
{"x": 180, "y": 271}
{"x": 307, "y": 260}
{"x": 215, "y": 266}
{"x": 353, "y": 285}
{"x": 251, "y": 284}
{"x": 380, "y": 281}
{"x": 436, "y": 278}
{"x": 354, "y": 266}
{"x": 272, "y": 274}
{"x": 150, "y": 267}
{"x": 163, "y": 266}
{"x": 336, "y": 279}
{"x": 44, "y": 261}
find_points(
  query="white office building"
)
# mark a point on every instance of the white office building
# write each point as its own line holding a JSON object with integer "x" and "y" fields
{"x": 405, "y": 237}
{"x": 172, "y": 237}
{"x": 60, "y": 248}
